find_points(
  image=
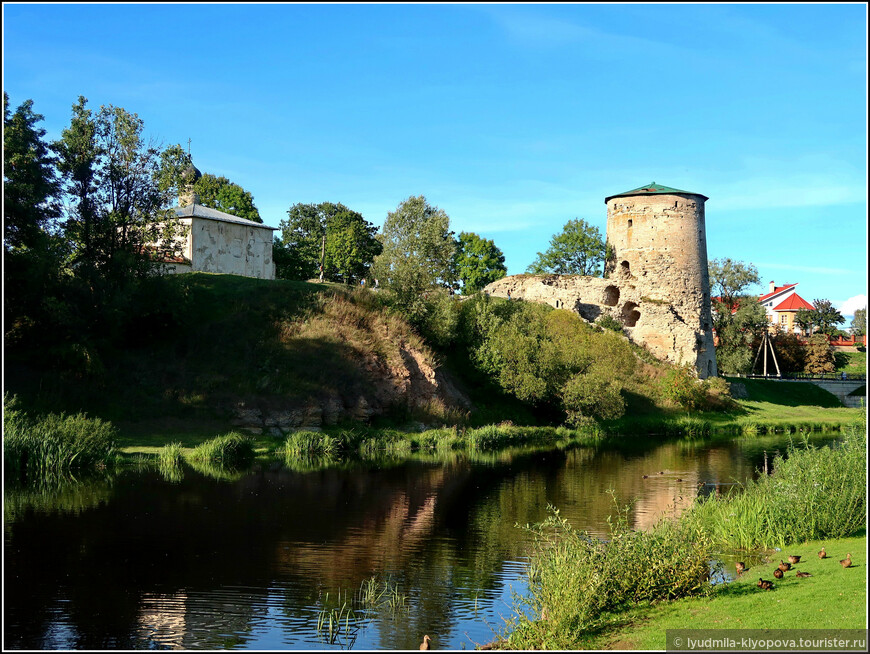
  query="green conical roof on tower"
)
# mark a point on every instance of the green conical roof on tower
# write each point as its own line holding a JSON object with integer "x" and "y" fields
{"x": 653, "y": 189}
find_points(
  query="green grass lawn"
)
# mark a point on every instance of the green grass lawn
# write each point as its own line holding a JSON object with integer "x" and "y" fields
{"x": 855, "y": 362}
{"x": 833, "y": 598}
{"x": 792, "y": 402}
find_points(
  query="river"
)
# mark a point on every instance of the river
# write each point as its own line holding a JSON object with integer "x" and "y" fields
{"x": 139, "y": 559}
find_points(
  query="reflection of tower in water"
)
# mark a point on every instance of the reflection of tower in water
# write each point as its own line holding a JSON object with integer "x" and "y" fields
{"x": 162, "y": 619}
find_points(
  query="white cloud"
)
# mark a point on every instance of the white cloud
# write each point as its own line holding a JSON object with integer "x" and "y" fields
{"x": 854, "y": 303}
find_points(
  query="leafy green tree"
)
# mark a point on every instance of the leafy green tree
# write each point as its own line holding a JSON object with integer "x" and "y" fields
{"x": 117, "y": 203}
{"x": 419, "y": 253}
{"x": 731, "y": 279}
{"x": 736, "y": 330}
{"x": 806, "y": 320}
{"x": 222, "y": 194}
{"x": 737, "y": 333}
{"x": 32, "y": 251}
{"x": 344, "y": 239}
{"x": 577, "y": 250}
{"x": 790, "y": 352}
{"x": 819, "y": 355}
{"x": 827, "y": 317}
{"x": 859, "y": 322}
{"x": 30, "y": 184}
{"x": 478, "y": 262}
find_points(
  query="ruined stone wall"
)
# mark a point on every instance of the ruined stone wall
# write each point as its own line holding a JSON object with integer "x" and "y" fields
{"x": 657, "y": 282}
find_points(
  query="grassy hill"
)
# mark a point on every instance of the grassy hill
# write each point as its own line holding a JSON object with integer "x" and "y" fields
{"x": 207, "y": 342}
{"x": 192, "y": 352}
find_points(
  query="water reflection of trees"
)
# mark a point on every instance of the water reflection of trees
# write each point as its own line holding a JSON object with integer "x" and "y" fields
{"x": 196, "y": 564}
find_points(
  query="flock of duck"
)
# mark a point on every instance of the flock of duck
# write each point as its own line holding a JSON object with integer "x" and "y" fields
{"x": 784, "y": 567}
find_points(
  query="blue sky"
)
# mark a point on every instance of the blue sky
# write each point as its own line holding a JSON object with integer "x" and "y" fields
{"x": 512, "y": 118}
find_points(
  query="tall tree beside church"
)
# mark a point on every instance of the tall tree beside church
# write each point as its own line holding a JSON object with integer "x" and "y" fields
{"x": 117, "y": 203}
{"x": 29, "y": 181}
{"x": 340, "y": 236}
{"x": 222, "y": 194}
{"x": 419, "y": 254}
{"x": 32, "y": 252}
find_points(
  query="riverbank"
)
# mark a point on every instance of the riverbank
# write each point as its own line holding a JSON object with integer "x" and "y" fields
{"x": 832, "y": 598}
{"x": 764, "y": 413}
{"x": 582, "y": 587}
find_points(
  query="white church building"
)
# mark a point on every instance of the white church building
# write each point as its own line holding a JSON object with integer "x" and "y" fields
{"x": 219, "y": 242}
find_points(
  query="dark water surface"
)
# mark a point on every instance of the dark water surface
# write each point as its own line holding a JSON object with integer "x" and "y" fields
{"x": 252, "y": 560}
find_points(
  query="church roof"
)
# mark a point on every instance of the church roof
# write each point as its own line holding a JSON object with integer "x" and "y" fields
{"x": 199, "y": 211}
{"x": 653, "y": 189}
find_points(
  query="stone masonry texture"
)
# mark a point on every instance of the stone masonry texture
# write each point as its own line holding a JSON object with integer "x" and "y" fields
{"x": 656, "y": 282}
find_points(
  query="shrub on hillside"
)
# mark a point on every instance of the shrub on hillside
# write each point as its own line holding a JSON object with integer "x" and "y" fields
{"x": 682, "y": 388}
{"x": 609, "y": 322}
{"x": 439, "y": 323}
{"x": 718, "y": 394}
{"x": 820, "y": 355}
{"x": 592, "y": 395}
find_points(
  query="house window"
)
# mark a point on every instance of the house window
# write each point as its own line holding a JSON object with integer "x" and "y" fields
{"x": 783, "y": 319}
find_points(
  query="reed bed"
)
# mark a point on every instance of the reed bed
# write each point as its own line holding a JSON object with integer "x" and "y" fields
{"x": 574, "y": 577}
{"x": 170, "y": 460}
{"x": 227, "y": 450}
{"x": 373, "y": 443}
{"x": 813, "y": 493}
{"x": 311, "y": 444}
{"x": 54, "y": 443}
{"x": 340, "y": 620}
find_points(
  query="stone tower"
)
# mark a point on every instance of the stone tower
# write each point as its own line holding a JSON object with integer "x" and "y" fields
{"x": 658, "y": 259}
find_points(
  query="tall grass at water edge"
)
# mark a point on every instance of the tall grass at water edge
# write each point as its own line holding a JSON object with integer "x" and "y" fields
{"x": 54, "y": 443}
{"x": 228, "y": 450}
{"x": 169, "y": 462}
{"x": 371, "y": 444}
{"x": 813, "y": 493}
{"x": 574, "y": 577}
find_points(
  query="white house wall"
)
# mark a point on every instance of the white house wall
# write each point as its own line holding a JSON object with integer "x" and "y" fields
{"x": 222, "y": 247}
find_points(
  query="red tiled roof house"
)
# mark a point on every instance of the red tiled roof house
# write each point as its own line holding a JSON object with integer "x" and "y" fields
{"x": 782, "y": 304}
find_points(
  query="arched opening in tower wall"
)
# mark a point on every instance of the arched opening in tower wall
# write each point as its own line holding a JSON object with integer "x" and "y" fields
{"x": 611, "y": 296}
{"x": 630, "y": 314}
{"x": 624, "y": 269}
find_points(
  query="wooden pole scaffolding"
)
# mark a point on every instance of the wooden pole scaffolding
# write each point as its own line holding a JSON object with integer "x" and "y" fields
{"x": 766, "y": 345}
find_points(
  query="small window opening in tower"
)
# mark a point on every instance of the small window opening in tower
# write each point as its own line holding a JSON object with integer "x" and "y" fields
{"x": 611, "y": 296}
{"x": 629, "y": 222}
{"x": 624, "y": 268}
